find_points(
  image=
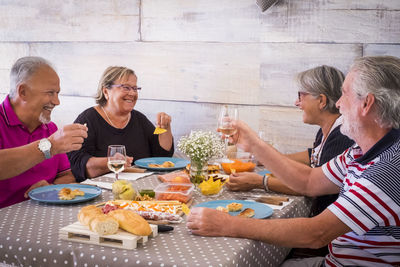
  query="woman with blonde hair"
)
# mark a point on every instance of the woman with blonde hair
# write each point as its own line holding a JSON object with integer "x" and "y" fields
{"x": 114, "y": 121}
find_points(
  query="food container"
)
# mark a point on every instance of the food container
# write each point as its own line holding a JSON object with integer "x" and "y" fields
{"x": 240, "y": 155}
{"x": 241, "y": 162}
{"x": 174, "y": 191}
{"x": 212, "y": 168}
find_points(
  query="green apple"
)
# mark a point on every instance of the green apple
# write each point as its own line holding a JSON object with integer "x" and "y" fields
{"x": 123, "y": 189}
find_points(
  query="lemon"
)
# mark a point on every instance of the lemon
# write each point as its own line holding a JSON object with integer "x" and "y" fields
{"x": 211, "y": 187}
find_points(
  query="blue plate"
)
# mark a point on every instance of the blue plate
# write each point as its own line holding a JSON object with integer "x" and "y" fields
{"x": 49, "y": 194}
{"x": 144, "y": 163}
{"x": 261, "y": 211}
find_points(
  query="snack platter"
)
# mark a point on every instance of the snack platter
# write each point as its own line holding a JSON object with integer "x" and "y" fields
{"x": 128, "y": 203}
{"x": 77, "y": 232}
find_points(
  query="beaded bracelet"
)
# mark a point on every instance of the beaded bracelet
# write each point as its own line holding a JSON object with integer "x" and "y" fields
{"x": 265, "y": 182}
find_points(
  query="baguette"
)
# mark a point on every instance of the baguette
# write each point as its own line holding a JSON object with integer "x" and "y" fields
{"x": 104, "y": 225}
{"x": 131, "y": 222}
{"x": 98, "y": 222}
{"x": 88, "y": 213}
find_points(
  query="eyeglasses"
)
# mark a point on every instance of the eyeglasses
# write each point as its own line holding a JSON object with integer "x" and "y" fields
{"x": 301, "y": 95}
{"x": 126, "y": 88}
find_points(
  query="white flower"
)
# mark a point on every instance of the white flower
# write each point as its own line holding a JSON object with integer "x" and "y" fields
{"x": 201, "y": 146}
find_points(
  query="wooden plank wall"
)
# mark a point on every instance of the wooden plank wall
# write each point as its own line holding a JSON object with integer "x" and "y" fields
{"x": 193, "y": 56}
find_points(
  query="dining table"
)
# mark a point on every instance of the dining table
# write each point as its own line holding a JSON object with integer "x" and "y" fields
{"x": 30, "y": 236}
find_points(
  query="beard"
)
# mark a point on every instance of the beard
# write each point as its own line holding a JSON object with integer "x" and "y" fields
{"x": 350, "y": 128}
{"x": 44, "y": 118}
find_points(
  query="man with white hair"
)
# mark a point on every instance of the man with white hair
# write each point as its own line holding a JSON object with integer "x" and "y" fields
{"x": 32, "y": 149}
{"x": 362, "y": 227}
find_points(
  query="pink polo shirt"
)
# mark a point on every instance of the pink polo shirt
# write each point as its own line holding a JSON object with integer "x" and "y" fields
{"x": 14, "y": 134}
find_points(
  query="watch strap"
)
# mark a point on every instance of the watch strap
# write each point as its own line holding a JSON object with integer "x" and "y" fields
{"x": 47, "y": 154}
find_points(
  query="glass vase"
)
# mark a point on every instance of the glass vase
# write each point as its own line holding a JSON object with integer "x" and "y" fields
{"x": 198, "y": 172}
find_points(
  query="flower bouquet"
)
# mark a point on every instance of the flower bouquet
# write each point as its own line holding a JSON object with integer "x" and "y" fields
{"x": 200, "y": 147}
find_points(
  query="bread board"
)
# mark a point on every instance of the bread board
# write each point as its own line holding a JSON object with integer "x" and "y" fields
{"x": 77, "y": 232}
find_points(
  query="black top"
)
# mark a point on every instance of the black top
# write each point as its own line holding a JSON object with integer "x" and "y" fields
{"x": 137, "y": 136}
{"x": 335, "y": 144}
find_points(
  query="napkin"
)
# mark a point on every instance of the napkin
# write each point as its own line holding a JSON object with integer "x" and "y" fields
{"x": 104, "y": 185}
{"x": 131, "y": 176}
{"x": 275, "y": 207}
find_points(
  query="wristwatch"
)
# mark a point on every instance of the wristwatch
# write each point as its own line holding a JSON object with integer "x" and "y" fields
{"x": 45, "y": 146}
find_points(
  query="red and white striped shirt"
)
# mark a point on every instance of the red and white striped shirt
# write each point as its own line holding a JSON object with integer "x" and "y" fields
{"x": 369, "y": 203}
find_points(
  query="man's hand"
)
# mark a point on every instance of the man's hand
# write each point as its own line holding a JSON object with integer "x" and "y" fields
{"x": 36, "y": 185}
{"x": 208, "y": 222}
{"x": 163, "y": 120}
{"x": 67, "y": 139}
{"x": 244, "y": 181}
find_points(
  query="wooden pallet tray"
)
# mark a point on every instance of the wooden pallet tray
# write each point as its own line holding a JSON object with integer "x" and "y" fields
{"x": 77, "y": 232}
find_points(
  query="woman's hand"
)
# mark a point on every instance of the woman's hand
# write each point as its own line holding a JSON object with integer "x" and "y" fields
{"x": 163, "y": 120}
{"x": 129, "y": 161}
{"x": 244, "y": 137}
{"x": 244, "y": 181}
{"x": 165, "y": 139}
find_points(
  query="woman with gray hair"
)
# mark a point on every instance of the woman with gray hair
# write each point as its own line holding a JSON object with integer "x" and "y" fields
{"x": 320, "y": 88}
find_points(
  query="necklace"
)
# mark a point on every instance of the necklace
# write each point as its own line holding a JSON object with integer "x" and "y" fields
{"x": 315, "y": 154}
{"x": 112, "y": 124}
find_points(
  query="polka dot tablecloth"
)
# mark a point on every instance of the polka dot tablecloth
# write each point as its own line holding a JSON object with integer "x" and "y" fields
{"x": 29, "y": 236}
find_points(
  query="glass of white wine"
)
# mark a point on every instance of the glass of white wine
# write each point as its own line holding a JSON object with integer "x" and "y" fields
{"x": 116, "y": 159}
{"x": 226, "y": 116}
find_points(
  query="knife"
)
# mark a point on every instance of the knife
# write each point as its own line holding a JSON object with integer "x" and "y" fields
{"x": 273, "y": 200}
{"x": 134, "y": 169}
{"x": 269, "y": 200}
{"x": 164, "y": 228}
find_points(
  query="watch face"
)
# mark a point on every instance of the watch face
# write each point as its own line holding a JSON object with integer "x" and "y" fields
{"x": 44, "y": 144}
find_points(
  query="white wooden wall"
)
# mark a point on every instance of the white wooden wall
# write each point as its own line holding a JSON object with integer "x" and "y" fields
{"x": 192, "y": 56}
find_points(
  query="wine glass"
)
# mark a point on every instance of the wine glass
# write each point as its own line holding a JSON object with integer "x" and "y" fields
{"x": 116, "y": 156}
{"x": 226, "y": 116}
{"x": 263, "y": 136}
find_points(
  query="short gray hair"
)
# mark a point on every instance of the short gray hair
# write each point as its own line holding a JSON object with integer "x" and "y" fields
{"x": 380, "y": 76}
{"x": 324, "y": 80}
{"x": 23, "y": 69}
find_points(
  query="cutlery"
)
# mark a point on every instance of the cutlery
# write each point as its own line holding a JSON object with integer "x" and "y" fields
{"x": 103, "y": 185}
{"x": 273, "y": 200}
{"x": 134, "y": 169}
{"x": 164, "y": 228}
